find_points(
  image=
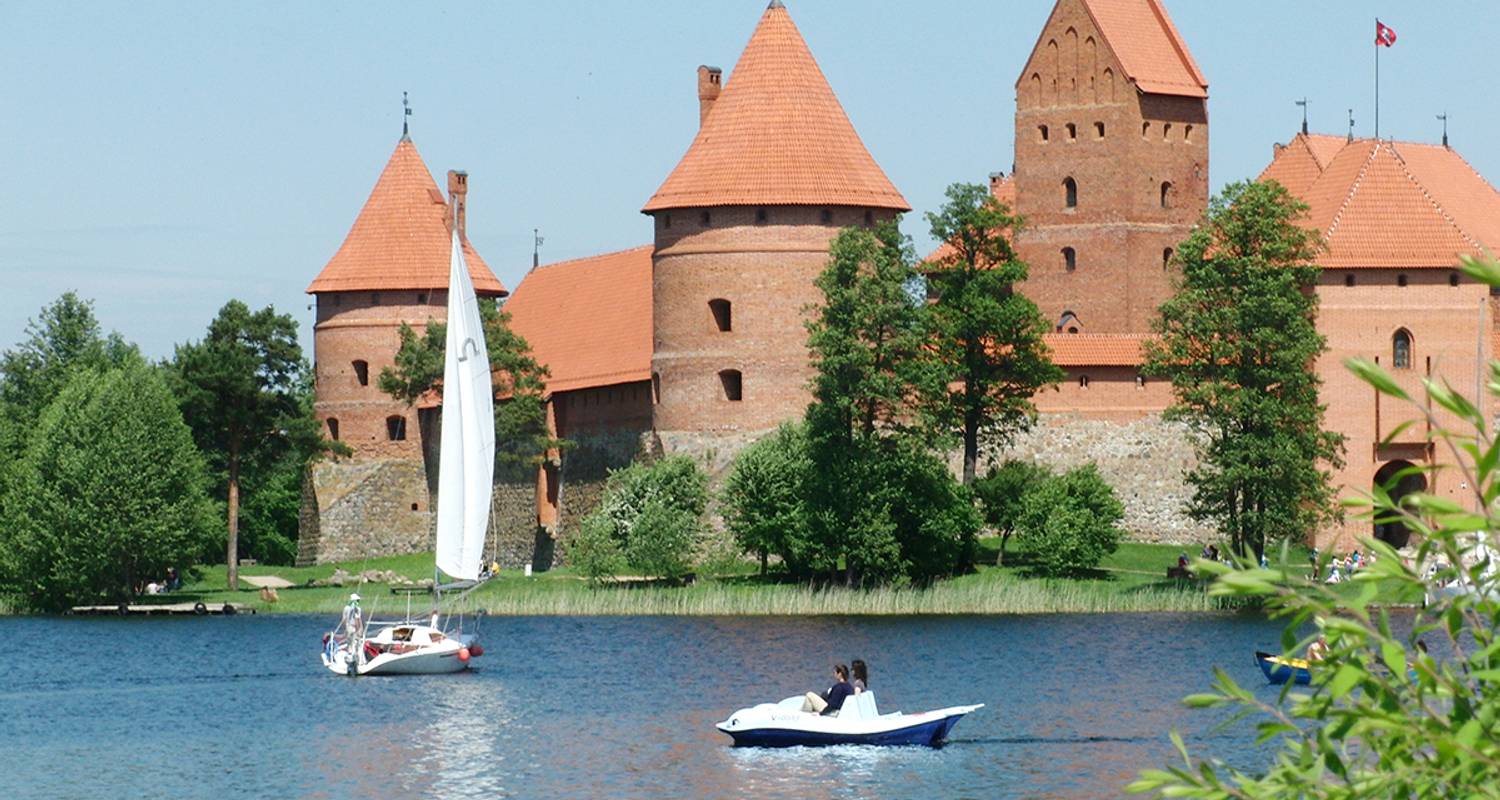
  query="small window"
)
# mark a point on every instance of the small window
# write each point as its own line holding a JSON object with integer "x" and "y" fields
{"x": 826, "y": 216}
{"x": 721, "y": 311}
{"x": 1401, "y": 350}
{"x": 374, "y": 298}
{"x": 869, "y": 219}
{"x": 1068, "y": 322}
{"x": 761, "y": 216}
{"x": 656, "y": 387}
{"x": 1349, "y": 279}
{"x": 1043, "y": 133}
{"x": 730, "y": 378}
{"x": 1166, "y": 132}
{"x": 666, "y": 220}
{"x": 1166, "y": 258}
{"x": 706, "y": 219}
{"x": 362, "y": 372}
{"x": 333, "y": 428}
{"x": 1140, "y": 381}
{"x": 1098, "y": 130}
{"x": 1083, "y": 381}
{"x": 1166, "y": 194}
{"x": 1070, "y": 259}
{"x": 421, "y": 298}
{"x": 395, "y": 428}
{"x": 1401, "y": 279}
{"x": 1187, "y": 133}
{"x": 1453, "y": 279}
{"x": 1145, "y": 129}
{"x": 1070, "y": 193}
{"x": 413, "y": 506}
{"x": 1072, "y": 131}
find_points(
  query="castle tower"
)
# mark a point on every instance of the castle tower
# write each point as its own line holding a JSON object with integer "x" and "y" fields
{"x": 392, "y": 268}
{"x": 1111, "y": 162}
{"x": 742, "y": 227}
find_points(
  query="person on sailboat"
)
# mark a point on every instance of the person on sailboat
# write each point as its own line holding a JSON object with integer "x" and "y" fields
{"x": 353, "y": 620}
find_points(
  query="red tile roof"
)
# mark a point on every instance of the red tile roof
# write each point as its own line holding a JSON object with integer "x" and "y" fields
{"x": 589, "y": 320}
{"x": 1150, "y": 50}
{"x": 1389, "y": 205}
{"x": 1096, "y": 349}
{"x": 777, "y": 136}
{"x": 401, "y": 239}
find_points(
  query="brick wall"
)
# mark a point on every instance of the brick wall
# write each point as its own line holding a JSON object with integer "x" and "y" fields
{"x": 763, "y": 262}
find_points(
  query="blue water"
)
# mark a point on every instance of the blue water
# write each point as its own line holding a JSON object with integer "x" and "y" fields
{"x": 229, "y": 707}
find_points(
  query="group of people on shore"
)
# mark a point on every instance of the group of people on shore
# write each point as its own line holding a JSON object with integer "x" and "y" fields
{"x": 845, "y": 685}
{"x": 171, "y": 583}
{"x": 1340, "y": 569}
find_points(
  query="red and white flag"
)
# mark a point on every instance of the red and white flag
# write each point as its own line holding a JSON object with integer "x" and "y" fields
{"x": 1384, "y": 34}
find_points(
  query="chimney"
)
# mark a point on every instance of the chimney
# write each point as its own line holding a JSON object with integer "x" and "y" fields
{"x": 458, "y": 191}
{"x": 996, "y": 179}
{"x": 709, "y": 79}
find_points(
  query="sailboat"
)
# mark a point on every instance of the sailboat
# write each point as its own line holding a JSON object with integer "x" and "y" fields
{"x": 465, "y": 482}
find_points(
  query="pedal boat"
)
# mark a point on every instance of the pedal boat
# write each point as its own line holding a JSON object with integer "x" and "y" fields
{"x": 1279, "y": 670}
{"x": 401, "y": 649}
{"x": 785, "y": 724}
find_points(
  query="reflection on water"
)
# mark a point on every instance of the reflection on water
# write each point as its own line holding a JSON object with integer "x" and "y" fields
{"x": 618, "y": 707}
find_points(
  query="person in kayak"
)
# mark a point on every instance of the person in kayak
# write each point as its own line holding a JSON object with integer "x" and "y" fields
{"x": 861, "y": 680}
{"x": 833, "y": 699}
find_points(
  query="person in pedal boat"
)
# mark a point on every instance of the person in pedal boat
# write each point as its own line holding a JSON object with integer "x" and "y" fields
{"x": 833, "y": 699}
{"x": 861, "y": 672}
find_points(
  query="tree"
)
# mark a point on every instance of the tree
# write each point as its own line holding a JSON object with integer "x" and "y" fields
{"x": 1070, "y": 521}
{"x": 650, "y": 519}
{"x": 521, "y": 434}
{"x": 765, "y": 505}
{"x": 239, "y": 393}
{"x": 1238, "y": 342}
{"x": 1001, "y": 493}
{"x": 987, "y": 338}
{"x": 1385, "y": 718}
{"x": 113, "y": 492}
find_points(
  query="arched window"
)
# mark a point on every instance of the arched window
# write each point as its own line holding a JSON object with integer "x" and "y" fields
{"x": 1070, "y": 193}
{"x": 1098, "y": 130}
{"x": 1401, "y": 350}
{"x": 1042, "y": 131}
{"x": 395, "y": 428}
{"x": 1140, "y": 381}
{"x": 1145, "y": 129}
{"x": 1166, "y": 194}
{"x": 732, "y": 382}
{"x": 1070, "y": 259}
{"x": 1166, "y": 258}
{"x": 1083, "y": 381}
{"x": 333, "y": 428}
{"x": 1072, "y": 131}
{"x": 1187, "y": 133}
{"x": 721, "y": 311}
{"x": 362, "y": 372}
{"x": 1166, "y": 131}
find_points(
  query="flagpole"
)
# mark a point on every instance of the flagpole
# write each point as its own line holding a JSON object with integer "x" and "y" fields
{"x": 1377, "y": 78}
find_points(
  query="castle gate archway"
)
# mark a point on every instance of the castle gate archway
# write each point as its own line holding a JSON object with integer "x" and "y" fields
{"x": 1396, "y": 533}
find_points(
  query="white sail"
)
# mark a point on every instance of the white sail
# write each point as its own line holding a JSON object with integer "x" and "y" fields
{"x": 467, "y": 462}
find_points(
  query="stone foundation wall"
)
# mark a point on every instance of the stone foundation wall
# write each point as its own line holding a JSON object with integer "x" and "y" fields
{"x": 585, "y": 467}
{"x": 1144, "y": 460}
{"x": 363, "y": 509}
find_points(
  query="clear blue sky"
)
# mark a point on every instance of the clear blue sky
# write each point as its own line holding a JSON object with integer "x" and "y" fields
{"x": 162, "y": 158}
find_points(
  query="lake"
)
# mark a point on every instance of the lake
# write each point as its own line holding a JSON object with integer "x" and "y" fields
{"x": 228, "y": 707}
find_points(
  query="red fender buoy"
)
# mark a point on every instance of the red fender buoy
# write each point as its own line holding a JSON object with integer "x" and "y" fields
{"x": 463, "y": 654}
{"x": 476, "y": 650}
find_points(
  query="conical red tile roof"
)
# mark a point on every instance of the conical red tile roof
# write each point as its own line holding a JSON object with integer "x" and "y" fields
{"x": 401, "y": 238}
{"x": 777, "y": 136}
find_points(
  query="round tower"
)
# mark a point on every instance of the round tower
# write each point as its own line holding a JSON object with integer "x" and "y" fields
{"x": 742, "y": 228}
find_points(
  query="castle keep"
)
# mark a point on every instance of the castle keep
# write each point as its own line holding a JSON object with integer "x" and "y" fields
{"x": 695, "y": 342}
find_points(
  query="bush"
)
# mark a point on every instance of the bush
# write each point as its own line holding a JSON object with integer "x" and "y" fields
{"x": 1070, "y": 522}
{"x": 111, "y": 493}
{"x": 765, "y": 503}
{"x": 649, "y": 520}
{"x": 1001, "y": 495}
{"x": 933, "y": 515}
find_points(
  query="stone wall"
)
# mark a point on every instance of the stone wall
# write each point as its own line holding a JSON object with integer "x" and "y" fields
{"x": 363, "y": 509}
{"x": 585, "y": 467}
{"x": 1145, "y": 460}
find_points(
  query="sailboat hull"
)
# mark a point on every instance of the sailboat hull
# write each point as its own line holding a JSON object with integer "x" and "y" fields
{"x": 390, "y": 658}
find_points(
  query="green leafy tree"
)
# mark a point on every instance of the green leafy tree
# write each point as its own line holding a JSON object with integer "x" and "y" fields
{"x": 1001, "y": 494}
{"x": 1238, "y": 342}
{"x": 1385, "y": 717}
{"x": 1070, "y": 522}
{"x": 650, "y": 520}
{"x": 242, "y": 392}
{"x": 987, "y": 337}
{"x": 521, "y": 435}
{"x": 765, "y": 505}
{"x": 113, "y": 493}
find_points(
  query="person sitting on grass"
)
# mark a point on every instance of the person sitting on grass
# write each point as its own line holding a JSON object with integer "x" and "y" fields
{"x": 832, "y": 700}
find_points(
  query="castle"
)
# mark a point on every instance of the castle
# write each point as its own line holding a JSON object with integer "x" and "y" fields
{"x": 695, "y": 343}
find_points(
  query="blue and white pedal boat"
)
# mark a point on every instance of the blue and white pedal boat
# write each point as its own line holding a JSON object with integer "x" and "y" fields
{"x": 785, "y": 724}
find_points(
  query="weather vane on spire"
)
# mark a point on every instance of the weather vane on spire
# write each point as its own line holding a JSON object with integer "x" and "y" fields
{"x": 405, "y": 115}
{"x": 1444, "y": 117}
{"x": 1351, "y": 124}
{"x": 1303, "y": 103}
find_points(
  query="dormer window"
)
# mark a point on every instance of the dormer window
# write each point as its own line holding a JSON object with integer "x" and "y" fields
{"x": 1068, "y": 323}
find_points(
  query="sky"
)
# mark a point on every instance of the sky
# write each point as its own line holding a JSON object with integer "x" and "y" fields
{"x": 161, "y": 158}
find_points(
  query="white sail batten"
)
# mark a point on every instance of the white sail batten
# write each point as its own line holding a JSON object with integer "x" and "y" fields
{"x": 467, "y": 460}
